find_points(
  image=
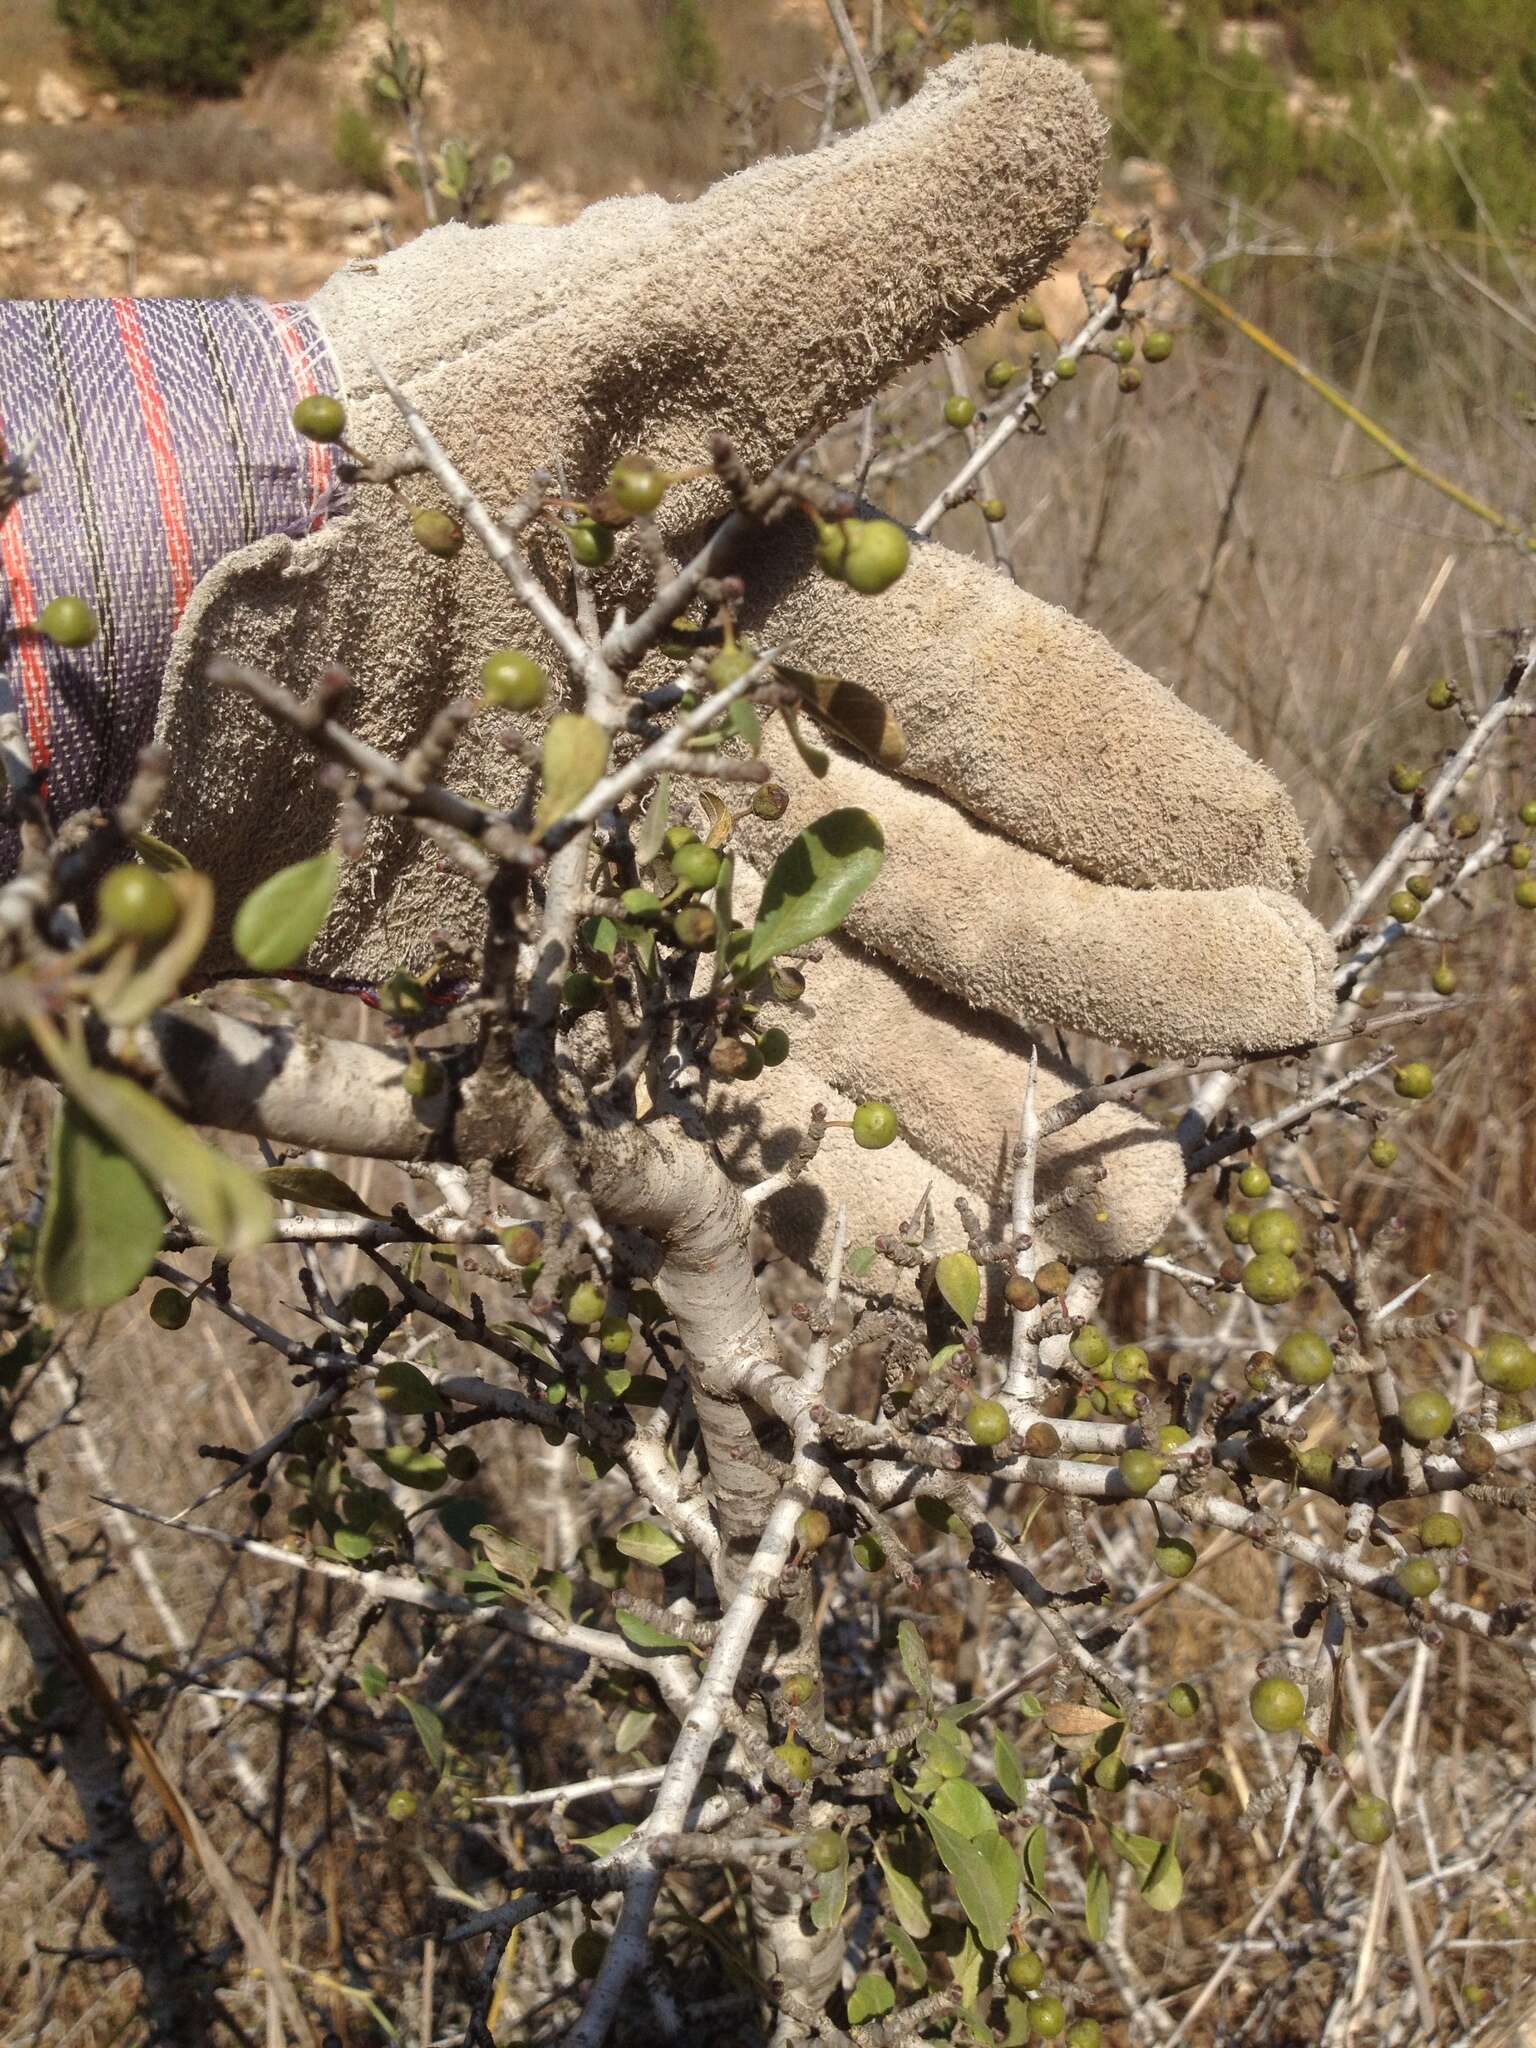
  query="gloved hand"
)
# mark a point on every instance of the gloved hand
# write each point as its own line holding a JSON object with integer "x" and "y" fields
{"x": 1068, "y": 843}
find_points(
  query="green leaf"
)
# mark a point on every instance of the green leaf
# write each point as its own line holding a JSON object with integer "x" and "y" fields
{"x": 515, "y": 1560}
{"x": 901, "y": 1945}
{"x": 870, "y": 1997}
{"x": 914, "y": 1661}
{"x": 743, "y": 723}
{"x": 901, "y": 1877}
{"x": 958, "y": 1278}
{"x": 831, "y": 1893}
{"x": 574, "y": 757}
{"x": 969, "y": 1967}
{"x": 314, "y": 1187}
{"x": 373, "y": 1681}
{"x": 643, "y": 1634}
{"x": 422, "y": 1471}
{"x": 814, "y": 758}
{"x": 1096, "y": 1900}
{"x": 1002, "y": 1860}
{"x": 428, "y": 1724}
{"x": 633, "y": 1728}
{"x": 815, "y": 882}
{"x": 609, "y": 1839}
{"x": 279, "y": 921}
{"x": 352, "y": 1544}
{"x": 102, "y": 1222}
{"x": 1010, "y": 1772}
{"x": 404, "y": 1389}
{"x": 985, "y": 1903}
{"x": 156, "y": 854}
{"x": 653, "y": 822}
{"x": 1034, "y": 1868}
{"x": 963, "y": 1807}
{"x": 648, "y": 1543}
{"x": 1159, "y": 1878}
{"x": 859, "y": 1260}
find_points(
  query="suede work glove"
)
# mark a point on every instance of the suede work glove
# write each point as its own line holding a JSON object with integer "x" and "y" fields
{"x": 1067, "y": 843}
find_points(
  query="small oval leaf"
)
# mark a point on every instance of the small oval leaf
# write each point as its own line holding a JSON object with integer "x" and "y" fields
{"x": 313, "y": 1187}
{"x": 102, "y": 1221}
{"x": 648, "y": 1543}
{"x": 815, "y": 882}
{"x": 574, "y": 756}
{"x": 279, "y": 921}
{"x": 959, "y": 1281}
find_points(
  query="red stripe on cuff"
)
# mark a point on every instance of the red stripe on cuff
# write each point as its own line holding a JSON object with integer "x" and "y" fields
{"x": 162, "y": 453}
{"x": 35, "y": 697}
{"x": 304, "y": 386}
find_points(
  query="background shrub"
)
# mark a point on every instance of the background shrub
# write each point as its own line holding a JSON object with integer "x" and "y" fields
{"x": 185, "y": 46}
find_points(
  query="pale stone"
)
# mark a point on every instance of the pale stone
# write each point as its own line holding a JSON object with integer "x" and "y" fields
{"x": 57, "y": 101}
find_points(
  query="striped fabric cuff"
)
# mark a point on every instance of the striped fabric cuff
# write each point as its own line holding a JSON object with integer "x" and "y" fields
{"x": 160, "y": 433}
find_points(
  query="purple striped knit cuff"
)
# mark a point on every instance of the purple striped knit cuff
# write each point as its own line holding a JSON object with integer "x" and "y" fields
{"x": 160, "y": 433}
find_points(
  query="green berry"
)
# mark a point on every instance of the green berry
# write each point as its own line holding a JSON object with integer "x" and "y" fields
{"x": 696, "y": 866}
{"x": 68, "y": 622}
{"x": 640, "y": 903}
{"x": 1066, "y": 369}
{"x": 1171, "y": 1435}
{"x": 999, "y": 375}
{"x": 1254, "y": 1182}
{"x": 1175, "y": 1557}
{"x": 868, "y": 1552}
{"x": 993, "y": 510}
{"x": 1122, "y": 348}
{"x": 813, "y": 1529}
{"x": 1443, "y": 979}
{"x": 587, "y": 1952}
{"x": 1090, "y": 1347}
{"x": 729, "y": 666}
{"x": 461, "y": 1461}
{"x": 1084, "y": 2034}
{"x": 636, "y": 485}
{"x": 1425, "y": 1415}
{"x": 1130, "y": 1365}
{"x": 1047, "y": 2017}
{"x": 1507, "y": 1364}
{"x": 1403, "y": 779}
{"x": 1440, "y": 1532}
{"x": 1464, "y": 824}
{"x": 1315, "y": 1467}
{"x": 615, "y": 1336}
{"x": 1183, "y": 1699}
{"x": 1528, "y": 811}
{"x": 1157, "y": 346}
{"x": 1274, "y": 1230}
{"x": 694, "y": 927}
{"x": 959, "y": 411}
{"x": 170, "y": 1309}
{"x": 422, "y": 1077}
{"x": 1382, "y": 1153}
{"x": 877, "y": 553}
{"x": 773, "y": 1047}
{"x": 591, "y": 543}
{"x": 1237, "y": 1223}
{"x": 1270, "y": 1279}
{"x": 1439, "y": 696}
{"x": 1277, "y": 1704}
{"x": 874, "y": 1125}
{"x": 1404, "y": 907}
{"x": 136, "y": 903}
{"x": 1139, "y": 1470}
{"x": 437, "y": 533}
{"x": 319, "y": 418}
{"x": 1421, "y": 886}
{"x": 824, "y": 1850}
{"x": 1025, "y": 1971}
{"x": 1525, "y": 894}
{"x": 832, "y": 546}
{"x": 987, "y": 1424}
{"x": 588, "y": 1303}
{"x": 513, "y": 681}
{"x": 1370, "y": 1820}
{"x": 676, "y": 836}
{"x": 1415, "y": 1081}
{"x": 367, "y": 1304}
{"x": 1305, "y": 1358}
{"x": 1418, "y": 1577}
{"x": 1519, "y": 855}
{"x": 401, "y": 1805}
{"x": 1030, "y": 317}
{"x": 1129, "y": 378}
{"x": 795, "y": 1761}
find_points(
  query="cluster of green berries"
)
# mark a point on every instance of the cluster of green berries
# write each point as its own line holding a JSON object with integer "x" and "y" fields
{"x": 869, "y": 555}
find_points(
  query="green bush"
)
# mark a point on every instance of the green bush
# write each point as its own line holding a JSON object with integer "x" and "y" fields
{"x": 359, "y": 150}
{"x": 185, "y": 46}
{"x": 687, "y": 62}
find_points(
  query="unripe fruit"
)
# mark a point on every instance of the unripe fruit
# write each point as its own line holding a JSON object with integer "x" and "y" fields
{"x": 1183, "y": 1699}
{"x": 1277, "y": 1704}
{"x": 1443, "y": 979}
{"x": 993, "y": 510}
{"x": 999, "y": 375}
{"x": 588, "y": 1303}
{"x": 1041, "y": 1441}
{"x": 1507, "y": 1364}
{"x": 868, "y": 1553}
{"x": 1066, "y": 368}
{"x": 676, "y": 836}
{"x": 1157, "y": 346}
{"x": 1519, "y": 855}
{"x": 169, "y": 1309}
{"x": 401, "y": 1805}
{"x": 1053, "y": 1278}
{"x": 986, "y": 1423}
{"x": 1139, "y": 1470}
{"x": 1122, "y": 348}
{"x": 1047, "y": 2017}
{"x": 1439, "y": 696}
{"x": 1382, "y": 1153}
{"x": 770, "y": 802}
{"x": 1117, "y": 1399}
{"x": 1305, "y": 1358}
{"x": 1274, "y": 1230}
{"x": 637, "y": 485}
{"x": 1089, "y": 1347}
{"x": 1130, "y": 1365}
{"x": 1404, "y": 908}
{"x": 1084, "y": 2034}
{"x": 462, "y": 1461}
{"x": 877, "y": 554}
{"x": 773, "y": 1047}
{"x": 1020, "y": 1292}
{"x": 1030, "y": 317}
{"x": 1025, "y": 1970}
{"x": 1315, "y": 1467}
{"x": 1129, "y": 378}
{"x": 1528, "y": 811}
{"x": 1418, "y": 1577}
{"x": 1440, "y": 1532}
{"x": 824, "y": 1850}
{"x": 798, "y": 1689}
{"x": 437, "y": 533}
{"x": 959, "y": 411}
{"x": 696, "y": 866}
{"x": 319, "y": 418}
{"x": 1525, "y": 894}
{"x": 513, "y": 681}
{"x": 1403, "y": 779}
{"x": 1171, "y": 1435}
{"x": 729, "y": 666}
{"x": 1254, "y": 1182}
{"x": 639, "y": 903}
{"x": 694, "y": 927}
{"x": 1425, "y": 1415}
{"x": 1370, "y": 1820}
{"x": 874, "y": 1126}
{"x": 367, "y": 1303}
{"x": 1270, "y": 1279}
{"x": 1174, "y": 1557}
{"x": 615, "y": 1337}
{"x": 1236, "y": 1224}
{"x": 813, "y": 1529}
{"x": 591, "y": 543}
{"x": 587, "y": 1952}
{"x": 1415, "y": 1081}
{"x": 1368, "y": 995}
{"x": 521, "y": 1243}
{"x": 795, "y": 1761}
{"x": 1464, "y": 824}
{"x": 68, "y": 622}
{"x": 136, "y": 903}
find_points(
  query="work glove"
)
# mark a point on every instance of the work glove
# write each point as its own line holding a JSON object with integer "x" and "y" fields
{"x": 1068, "y": 844}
